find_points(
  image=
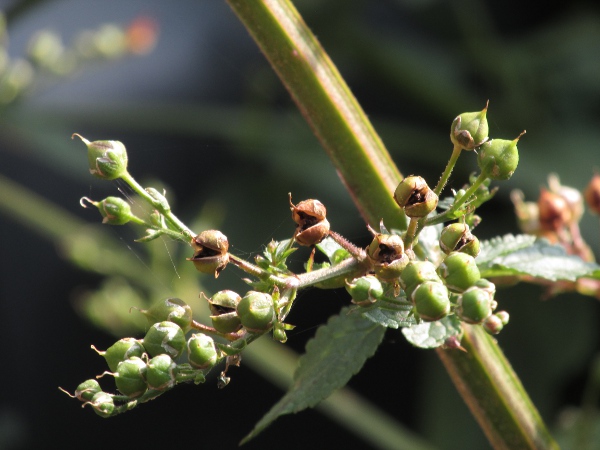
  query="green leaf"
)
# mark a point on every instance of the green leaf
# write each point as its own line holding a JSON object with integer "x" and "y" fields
{"x": 390, "y": 313}
{"x": 332, "y": 250}
{"x": 338, "y": 351}
{"x": 539, "y": 259}
{"x": 432, "y": 334}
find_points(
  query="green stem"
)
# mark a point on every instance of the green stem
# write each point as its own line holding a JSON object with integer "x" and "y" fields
{"x": 482, "y": 375}
{"x": 448, "y": 171}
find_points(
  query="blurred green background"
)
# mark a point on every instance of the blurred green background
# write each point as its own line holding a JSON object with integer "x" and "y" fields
{"x": 204, "y": 116}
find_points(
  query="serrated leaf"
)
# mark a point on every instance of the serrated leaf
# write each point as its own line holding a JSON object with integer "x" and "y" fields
{"x": 540, "y": 259}
{"x": 329, "y": 247}
{"x": 338, "y": 351}
{"x": 389, "y": 313}
{"x": 500, "y": 246}
{"x": 432, "y": 334}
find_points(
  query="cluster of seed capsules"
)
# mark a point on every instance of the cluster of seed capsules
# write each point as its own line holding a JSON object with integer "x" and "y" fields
{"x": 145, "y": 368}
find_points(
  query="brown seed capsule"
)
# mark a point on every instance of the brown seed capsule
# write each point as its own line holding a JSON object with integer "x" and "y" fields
{"x": 210, "y": 252}
{"x": 414, "y": 195}
{"x": 312, "y": 227}
{"x": 386, "y": 253}
{"x": 554, "y": 211}
{"x": 592, "y": 194}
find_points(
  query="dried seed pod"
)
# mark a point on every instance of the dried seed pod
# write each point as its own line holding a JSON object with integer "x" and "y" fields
{"x": 210, "y": 252}
{"x": 312, "y": 227}
{"x": 386, "y": 253}
{"x": 224, "y": 315}
{"x": 571, "y": 195}
{"x": 457, "y": 237}
{"x": 592, "y": 194}
{"x": 470, "y": 130}
{"x": 414, "y": 195}
{"x": 554, "y": 211}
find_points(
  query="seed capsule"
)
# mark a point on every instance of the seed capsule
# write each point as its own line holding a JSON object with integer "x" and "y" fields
{"x": 499, "y": 158}
{"x": 256, "y": 311}
{"x": 474, "y": 305}
{"x": 414, "y": 195}
{"x": 417, "y": 272}
{"x": 115, "y": 211}
{"x": 165, "y": 337}
{"x": 170, "y": 309}
{"x": 224, "y": 316}
{"x": 386, "y": 253}
{"x": 201, "y": 350}
{"x": 365, "y": 290}
{"x": 431, "y": 301}
{"x": 493, "y": 324}
{"x": 103, "y": 404}
{"x": 554, "y": 211}
{"x": 107, "y": 159}
{"x": 470, "y": 130}
{"x": 592, "y": 194}
{"x": 160, "y": 373}
{"x": 86, "y": 390}
{"x": 459, "y": 271}
{"x": 210, "y": 252}
{"x": 312, "y": 227}
{"x": 458, "y": 238}
{"x": 130, "y": 377}
{"x": 120, "y": 351}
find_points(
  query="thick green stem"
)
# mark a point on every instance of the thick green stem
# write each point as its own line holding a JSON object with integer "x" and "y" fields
{"x": 482, "y": 375}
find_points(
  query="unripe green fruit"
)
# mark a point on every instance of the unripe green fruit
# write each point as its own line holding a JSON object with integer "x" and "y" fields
{"x": 86, "y": 390}
{"x": 256, "y": 311}
{"x": 224, "y": 316}
{"x": 459, "y": 271}
{"x": 415, "y": 197}
{"x": 417, "y": 272}
{"x": 503, "y": 316}
{"x": 431, "y": 301}
{"x": 160, "y": 373}
{"x": 499, "y": 158}
{"x": 493, "y": 324}
{"x": 115, "y": 211}
{"x": 202, "y": 353}
{"x": 130, "y": 377}
{"x": 365, "y": 290}
{"x": 103, "y": 404}
{"x": 474, "y": 305}
{"x": 470, "y": 130}
{"x": 107, "y": 159}
{"x": 457, "y": 237}
{"x": 121, "y": 350}
{"x": 170, "y": 309}
{"x": 164, "y": 338}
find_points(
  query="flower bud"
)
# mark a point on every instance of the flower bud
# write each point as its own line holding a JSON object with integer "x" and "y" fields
{"x": 459, "y": 271}
{"x": 256, "y": 311}
{"x": 417, "y": 272}
{"x": 457, "y": 237}
{"x": 164, "y": 338}
{"x": 86, "y": 390}
{"x": 210, "y": 252}
{"x": 592, "y": 194}
{"x": 499, "y": 158}
{"x": 554, "y": 211}
{"x": 223, "y": 309}
{"x": 130, "y": 377}
{"x": 160, "y": 373}
{"x": 312, "y": 227}
{"x": 470, "y": 130}
{"x": 103, "y": 404}
{"x": 431, "y": 301}
{"x": 107, "y": 159}
{"x": 365, "y": 290}
{"x": 202, "y": 352}
{"x": 493, "y": 324}
{"x": 170, "y": 309}
{"x": 474, "y": 305}
{"x": 414, "y": 195}
{"x": 120, "y": 351}
{"x": 386, "y": 253}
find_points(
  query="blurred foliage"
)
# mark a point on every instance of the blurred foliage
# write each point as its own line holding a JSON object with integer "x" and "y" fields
{"x": 231, "y": 147}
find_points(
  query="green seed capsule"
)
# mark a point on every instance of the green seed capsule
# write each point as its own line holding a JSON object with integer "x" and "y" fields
{"x": 470, "y": 130}
{"x": 160, "y": 373}
{"x": 115, "y": 211}
{"x": 415, "y": 197}
{"x": 503, "y": 316}
{"x": 499, "y": 158}
{"x": 431, "y": 301}
{"x": 121, "y": 350}
{"x": 417, "y": 272}
{"x": 459, "y": 271}
{"x": 86, "y": 390}
{"x": 165, "y": 338}
{"x": 224, "y": 316}
{"x": 107, "y": 159}
{"x": 130, "y": 377}
{"x": 493, "y": 324}
{"x": 202, "y": 353}
{"x": 256, "y": 311}
{"x": 103, "y": 404}
{"x": 365, "y": 290}
{"x": 457, "y": 237}
{"x": 474, "y": 305}
{"x": 171, "y": 309}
